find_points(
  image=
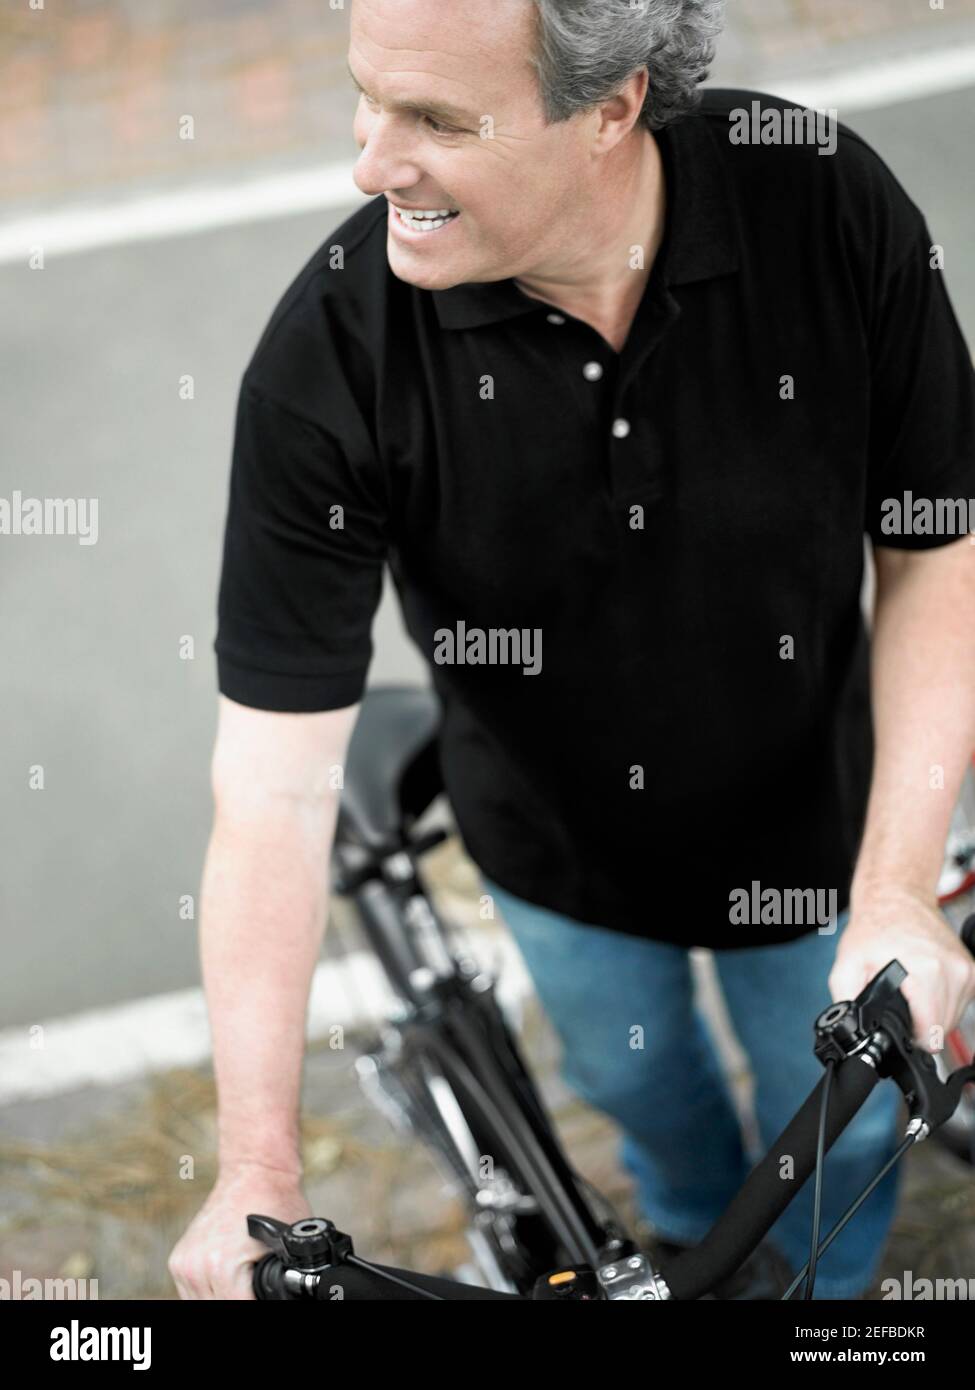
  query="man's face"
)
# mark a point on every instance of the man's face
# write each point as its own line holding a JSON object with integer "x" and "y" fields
{"x": 519, "y": 185}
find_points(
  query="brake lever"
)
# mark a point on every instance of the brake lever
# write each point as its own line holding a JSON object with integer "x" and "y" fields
{"x": 310, "y": 1245}
{"x": 878, "y": 1025}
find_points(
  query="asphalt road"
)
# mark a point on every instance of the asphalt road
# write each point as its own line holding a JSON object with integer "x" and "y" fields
{"x": 93, "y": 688}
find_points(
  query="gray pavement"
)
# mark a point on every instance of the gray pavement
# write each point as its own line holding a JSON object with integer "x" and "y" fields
{"x": 94, "y": 688}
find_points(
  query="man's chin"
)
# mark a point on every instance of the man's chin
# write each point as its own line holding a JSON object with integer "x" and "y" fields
{"x": 425, "y": 278}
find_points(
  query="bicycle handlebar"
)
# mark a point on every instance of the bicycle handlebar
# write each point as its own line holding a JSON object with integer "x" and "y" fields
{"x": 765, "y": 1194}
{"x": 864, "y": 1040}
{"x": 272, "y": 1281}
{"x": 731, "y": 1240}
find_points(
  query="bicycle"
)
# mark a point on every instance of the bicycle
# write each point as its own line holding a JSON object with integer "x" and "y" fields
{"x": 447, "y": 1068}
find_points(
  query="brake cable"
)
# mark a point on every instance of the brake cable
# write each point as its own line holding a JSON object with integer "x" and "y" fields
{"x": 817, "y": 1199}
{"x": 393, "y": 1278}
{"x": 855, "y": 1206}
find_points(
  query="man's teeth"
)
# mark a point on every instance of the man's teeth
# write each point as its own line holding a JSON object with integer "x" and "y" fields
{"x": 428, "y": 220}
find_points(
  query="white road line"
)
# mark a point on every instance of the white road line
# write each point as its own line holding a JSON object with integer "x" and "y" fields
{"x": 178, "y": 213}
{"x": 103, "y": 1047}
{"x": 330, "y": 188}
{"x": 888, "y": 82}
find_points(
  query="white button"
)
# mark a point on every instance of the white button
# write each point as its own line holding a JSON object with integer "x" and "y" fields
{"x": 555, "y": 318}
{"x": 592, "y": 371}
{"x": 621, "y": 428}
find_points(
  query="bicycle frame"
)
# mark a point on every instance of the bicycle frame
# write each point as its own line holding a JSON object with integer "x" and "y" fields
{"x": 450, "y": 1015}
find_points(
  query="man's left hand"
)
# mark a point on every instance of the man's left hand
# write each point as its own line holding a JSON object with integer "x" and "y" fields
{"x": 909, "y": 926}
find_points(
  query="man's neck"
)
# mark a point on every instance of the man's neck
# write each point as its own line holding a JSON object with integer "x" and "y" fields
{"x": 604, "y": 288}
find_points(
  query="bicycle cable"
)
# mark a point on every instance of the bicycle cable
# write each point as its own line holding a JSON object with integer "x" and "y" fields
{"x": 818, "y": 1196}
{"x": 598, "y": 1199}
{"x": 393, "y": 1278}
{"x": 851, "y": 1211}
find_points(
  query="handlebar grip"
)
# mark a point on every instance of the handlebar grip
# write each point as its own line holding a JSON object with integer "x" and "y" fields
{"x": 766, "y": 1194}
{"x": 358, "y": 1283}
{"x": 267, "y": 1280}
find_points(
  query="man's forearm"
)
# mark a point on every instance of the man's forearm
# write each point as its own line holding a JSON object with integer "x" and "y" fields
{"x": 923, "y": 679}
{"x": 263, "y": 908}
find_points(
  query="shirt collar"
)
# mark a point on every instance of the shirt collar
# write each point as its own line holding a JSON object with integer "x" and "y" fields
{"x": 700, "y": 235}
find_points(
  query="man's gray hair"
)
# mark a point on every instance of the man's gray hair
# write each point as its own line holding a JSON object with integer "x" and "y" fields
{"x": 586, "y": 50}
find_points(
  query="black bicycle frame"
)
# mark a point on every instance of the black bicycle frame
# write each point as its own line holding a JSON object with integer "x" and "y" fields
{"x": 461, "y": 1027}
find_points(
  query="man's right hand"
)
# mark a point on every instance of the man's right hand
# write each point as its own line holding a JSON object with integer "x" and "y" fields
{"x": 215, "y": 1256}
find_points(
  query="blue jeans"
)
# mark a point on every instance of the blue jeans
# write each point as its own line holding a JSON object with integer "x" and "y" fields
{"x": 681, "y": 1138}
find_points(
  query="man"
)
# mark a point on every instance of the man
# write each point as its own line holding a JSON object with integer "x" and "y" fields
{"x": 617, "y": 396}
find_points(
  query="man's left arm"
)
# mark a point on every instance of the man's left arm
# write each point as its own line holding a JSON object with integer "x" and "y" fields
{"x": 923, "y": 690}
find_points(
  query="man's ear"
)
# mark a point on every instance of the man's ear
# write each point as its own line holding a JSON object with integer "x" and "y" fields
{"x": 622, "y": 111}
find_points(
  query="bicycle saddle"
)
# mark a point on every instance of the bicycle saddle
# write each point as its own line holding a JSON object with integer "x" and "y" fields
{"x": 392, "y": 772}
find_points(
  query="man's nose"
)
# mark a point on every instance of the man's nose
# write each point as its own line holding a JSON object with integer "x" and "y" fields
{"x": 384, "y": 161}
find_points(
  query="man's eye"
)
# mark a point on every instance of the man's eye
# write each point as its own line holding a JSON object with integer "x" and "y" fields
{"x": 439, "y": 129}
{"x": 435, "y": 126}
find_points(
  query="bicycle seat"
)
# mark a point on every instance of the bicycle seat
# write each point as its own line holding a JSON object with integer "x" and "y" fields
{"x": 392, "y": 771}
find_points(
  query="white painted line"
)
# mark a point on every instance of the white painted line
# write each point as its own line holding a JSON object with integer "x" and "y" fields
{"x": 103, "y": 1047}
{"x": 180, "y": 212}
{"x": 330, "y": 187}
{"x": 885, "y": 83}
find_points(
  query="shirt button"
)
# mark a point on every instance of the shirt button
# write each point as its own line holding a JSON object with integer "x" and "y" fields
{"x": 555, "y": 318}
{"x": 621, "y": 428}
{"x": 592, "y": 371}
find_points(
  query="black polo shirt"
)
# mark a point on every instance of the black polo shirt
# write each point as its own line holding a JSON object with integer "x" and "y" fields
{"x": 672, "y": 535}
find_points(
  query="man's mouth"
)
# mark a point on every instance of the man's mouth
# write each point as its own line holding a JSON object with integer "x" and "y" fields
{"x": 425, "y": 222}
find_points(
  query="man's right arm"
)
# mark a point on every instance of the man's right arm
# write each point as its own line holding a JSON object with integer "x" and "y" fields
{"x": 263, "y": 912}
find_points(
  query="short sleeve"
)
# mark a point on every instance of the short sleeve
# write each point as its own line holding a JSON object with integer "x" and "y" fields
{"x": 922, "y": 409}
{"x": 303, "y": 553}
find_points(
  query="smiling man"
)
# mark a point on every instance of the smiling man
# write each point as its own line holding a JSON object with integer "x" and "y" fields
{"x": 531, "y": 200}
{"x": 585, "y": 366}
